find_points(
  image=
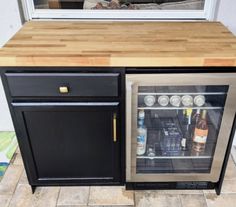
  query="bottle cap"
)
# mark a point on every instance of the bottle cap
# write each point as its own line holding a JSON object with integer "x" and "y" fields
{"x": 189, "y": 111}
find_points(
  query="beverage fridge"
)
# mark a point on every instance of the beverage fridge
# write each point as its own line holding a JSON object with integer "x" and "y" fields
{"x": 179, "y": 129}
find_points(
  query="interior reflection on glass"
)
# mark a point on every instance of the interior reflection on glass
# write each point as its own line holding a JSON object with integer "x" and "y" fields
{"x": 121, "y": 4}
{"x": 177, "y": 127}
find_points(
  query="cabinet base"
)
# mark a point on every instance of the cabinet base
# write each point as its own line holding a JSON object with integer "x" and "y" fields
{"x": 53, "y": 184}
{"x": 33, "y": 188}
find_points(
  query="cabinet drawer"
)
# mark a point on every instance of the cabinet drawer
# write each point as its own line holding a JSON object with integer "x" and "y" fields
{"x": 57, "y": 84}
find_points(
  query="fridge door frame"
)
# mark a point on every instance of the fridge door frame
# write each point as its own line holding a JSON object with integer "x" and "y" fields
{"x": 183, "y": 79}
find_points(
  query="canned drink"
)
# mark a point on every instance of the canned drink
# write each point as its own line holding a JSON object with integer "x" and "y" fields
{"x": 175, "y": 101}
{"x": 199, "y": 100}
{"x": 187, "y": 100}
{"x": 163, "y": 100}
{"x": 149, "y": 100}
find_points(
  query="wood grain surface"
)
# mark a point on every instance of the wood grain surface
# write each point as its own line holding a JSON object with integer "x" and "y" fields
{"x": 78, "y": 43}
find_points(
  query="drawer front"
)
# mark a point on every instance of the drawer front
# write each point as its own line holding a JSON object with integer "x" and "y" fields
{"x": 63, "y": 84}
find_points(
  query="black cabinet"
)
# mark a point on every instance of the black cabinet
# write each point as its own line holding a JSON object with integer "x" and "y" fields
{"x": 73, "y": 136}
{"x": 72, "y": 141}
{"x": 78, "y": 84}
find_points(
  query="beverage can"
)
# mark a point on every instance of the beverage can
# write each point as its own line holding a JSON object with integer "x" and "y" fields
{"x": 199, "y": 100}
{"x": 175, "y": 101}
{"x": 163, "y": 100}
{"x": 187, "y": 100}
{"x": 149, "y": 100}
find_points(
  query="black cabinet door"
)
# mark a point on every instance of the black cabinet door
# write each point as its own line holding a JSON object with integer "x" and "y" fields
{"x": 70, "y": 142}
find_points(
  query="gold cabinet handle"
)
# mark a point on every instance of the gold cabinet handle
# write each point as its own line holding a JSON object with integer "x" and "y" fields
{"x": 64, "y": 89}
{"x": 114, "y": 127}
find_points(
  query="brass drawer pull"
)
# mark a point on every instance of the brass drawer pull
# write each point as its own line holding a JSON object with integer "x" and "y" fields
{"x": 114, "y": 128}
{"x": 64, "y": 89}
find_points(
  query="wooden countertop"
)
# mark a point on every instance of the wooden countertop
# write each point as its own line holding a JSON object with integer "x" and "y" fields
{"x": 74, "y": 43}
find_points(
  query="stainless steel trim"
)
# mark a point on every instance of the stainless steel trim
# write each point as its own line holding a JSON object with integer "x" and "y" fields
{"x": 174, "y": 157}
{"x": 174, "y": 108}
{"x": 210, "y": 93}
{"x": 184, "y": 80}
{"x": 128, "y": 126}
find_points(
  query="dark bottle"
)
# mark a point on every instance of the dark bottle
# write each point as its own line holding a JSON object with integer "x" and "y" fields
{"x": 185, "y": 138}
{"x": 184, "y": 118}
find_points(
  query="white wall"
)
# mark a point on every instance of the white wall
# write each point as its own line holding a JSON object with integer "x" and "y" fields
{"x": 227, "y": 14}
{"x": 10, "y": 23}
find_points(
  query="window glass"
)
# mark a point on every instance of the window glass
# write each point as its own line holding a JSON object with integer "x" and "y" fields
{"x": 121, "y": 4}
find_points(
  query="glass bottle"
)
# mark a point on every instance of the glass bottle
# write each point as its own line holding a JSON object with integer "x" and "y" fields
{"x": 200, "y": 133}
{"x": 184, "y": 118}
{"x": 184, "y": 139}
{"x": 141, "y": 134}
{"x": 189, "y": 112}
{"x": 151, "y": 154}
{"x": 196, "y": 116}
{"x": 141, "y": 117}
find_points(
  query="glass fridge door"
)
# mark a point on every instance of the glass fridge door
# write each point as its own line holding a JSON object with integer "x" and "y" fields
{"x": 176, "y": 128}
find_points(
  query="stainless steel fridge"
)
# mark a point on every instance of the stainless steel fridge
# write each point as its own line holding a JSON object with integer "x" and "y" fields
{"x": 178, "y": 129}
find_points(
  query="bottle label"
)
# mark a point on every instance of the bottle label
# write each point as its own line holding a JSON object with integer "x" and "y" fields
{"x": 200, "y": 135}
{"x": 183, "y": 142}
{"x": 141, "y": 139}
{"x": 141, "y": 145}
{"x": 140, "y": 122}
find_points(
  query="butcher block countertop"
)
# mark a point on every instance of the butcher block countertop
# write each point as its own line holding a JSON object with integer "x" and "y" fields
{"x": 129, "y": 44}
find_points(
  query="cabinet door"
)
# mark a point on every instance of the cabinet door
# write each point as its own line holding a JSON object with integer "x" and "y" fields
{"x": 71, "y": 141}
{"x": 186, "y": 123}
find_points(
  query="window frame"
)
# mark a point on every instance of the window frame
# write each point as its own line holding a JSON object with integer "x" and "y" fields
{"x": 206, "y": 14}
